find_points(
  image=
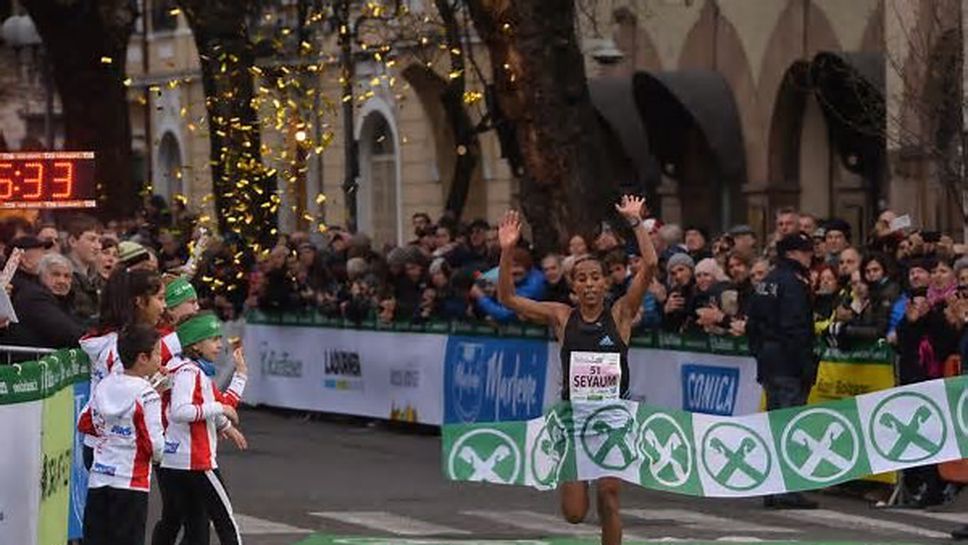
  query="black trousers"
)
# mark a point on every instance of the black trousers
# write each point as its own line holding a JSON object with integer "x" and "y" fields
{"x": 785, "y": 392}
{"x": 115, "y": 516}
{"x": 193, "y": 498}
{"x": 175, "y": 513}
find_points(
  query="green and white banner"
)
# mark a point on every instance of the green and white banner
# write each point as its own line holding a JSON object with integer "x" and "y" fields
{"x": 795, "y": 449}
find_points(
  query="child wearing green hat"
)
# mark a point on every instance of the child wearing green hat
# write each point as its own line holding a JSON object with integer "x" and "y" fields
{"x": 195, "y": 419}
{"x": 181, "y": 302}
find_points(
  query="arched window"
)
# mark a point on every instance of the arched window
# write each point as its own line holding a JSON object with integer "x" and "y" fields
{"x": 378, "y": 180}
{"x": 167, "y": 181}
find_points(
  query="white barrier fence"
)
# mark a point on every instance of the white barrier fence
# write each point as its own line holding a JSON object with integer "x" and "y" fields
{"x": 436, "y": 378}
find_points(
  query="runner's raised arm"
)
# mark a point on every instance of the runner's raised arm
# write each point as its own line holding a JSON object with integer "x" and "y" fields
{"x": 633, "y": 208}
{"x": 553, "y": 314}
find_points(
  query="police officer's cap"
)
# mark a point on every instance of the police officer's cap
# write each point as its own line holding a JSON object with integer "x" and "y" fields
{"x": 793, "y": 242}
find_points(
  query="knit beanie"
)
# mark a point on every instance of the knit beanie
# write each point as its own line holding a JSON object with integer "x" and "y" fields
{"x": 130, "y": 253}
{"x": 711, "y": 266}
{"x": 179, "y": 291}
{"x": 678, "y": 259}
{"x": 198, "y": 328}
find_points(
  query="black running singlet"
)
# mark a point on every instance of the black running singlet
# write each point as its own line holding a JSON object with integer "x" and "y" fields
{"x": 598, "y": 339}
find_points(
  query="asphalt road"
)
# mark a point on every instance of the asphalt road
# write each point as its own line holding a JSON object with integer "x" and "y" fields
{"x": 308, "y": 480}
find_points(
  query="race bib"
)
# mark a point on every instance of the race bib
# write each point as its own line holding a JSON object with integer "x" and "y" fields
{"x": 595, "y": 376}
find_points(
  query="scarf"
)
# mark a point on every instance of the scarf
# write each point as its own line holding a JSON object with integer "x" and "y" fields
{"x": 206, "y": 366}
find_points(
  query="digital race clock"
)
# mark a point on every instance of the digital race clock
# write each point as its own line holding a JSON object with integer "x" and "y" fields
{"x": 59, "y": 179}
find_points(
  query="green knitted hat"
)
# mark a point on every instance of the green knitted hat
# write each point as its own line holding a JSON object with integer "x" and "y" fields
{"x": 198, "y": 328}
{"x": 179, "y": 291}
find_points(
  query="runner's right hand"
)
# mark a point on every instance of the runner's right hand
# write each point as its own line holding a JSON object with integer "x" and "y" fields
{"x": 509, "y": 230}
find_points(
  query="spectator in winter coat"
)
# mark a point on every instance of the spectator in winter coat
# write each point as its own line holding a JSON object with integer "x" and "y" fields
{"x": 528, "y": 282}
{"x": 679, "y": 269}
{"x": 83, "y": 248}
{"x": 780, "y": 333}
{"x": 556, "y": 285}
{"x": 918, "y": 278}
{"x": 43, "y": 308}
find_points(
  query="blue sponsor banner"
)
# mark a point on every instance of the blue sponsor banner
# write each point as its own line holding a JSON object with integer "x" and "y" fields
{"x": 75, "y": 512}
{"x": 709, "y": 389}
{"x": 493, "y": 379}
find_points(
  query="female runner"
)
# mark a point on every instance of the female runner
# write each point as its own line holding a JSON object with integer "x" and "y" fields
{"x": 594, "y": 342}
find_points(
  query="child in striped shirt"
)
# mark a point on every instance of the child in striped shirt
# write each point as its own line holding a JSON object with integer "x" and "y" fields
{"x": 124, "y": 418}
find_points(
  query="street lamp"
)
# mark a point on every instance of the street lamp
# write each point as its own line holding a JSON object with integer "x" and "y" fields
{"x": 20, "y": 33}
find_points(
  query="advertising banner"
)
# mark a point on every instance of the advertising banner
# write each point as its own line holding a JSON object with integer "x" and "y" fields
{"x": 802, "y": 448}
{"x": 55, "y": 472}
{"x": 489, "y": 379}
{"x": 367, "y": 373}
{"x": 78, "y": 498}
{"x": 20, "y": 425}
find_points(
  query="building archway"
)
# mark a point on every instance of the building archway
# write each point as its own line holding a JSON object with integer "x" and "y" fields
{"x": 168, "y": 181}
{"x": 826, "y": 138}
{"x": 379, "y": 197}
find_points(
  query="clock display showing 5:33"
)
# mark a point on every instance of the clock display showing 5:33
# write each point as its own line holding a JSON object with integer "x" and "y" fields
{"x": 47, "y": 180}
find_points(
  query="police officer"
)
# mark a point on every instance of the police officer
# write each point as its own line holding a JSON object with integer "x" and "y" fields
{"x": 780, "y": 334}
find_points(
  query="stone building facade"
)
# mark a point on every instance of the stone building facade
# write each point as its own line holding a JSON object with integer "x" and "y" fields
{"x": 727, "y": 110}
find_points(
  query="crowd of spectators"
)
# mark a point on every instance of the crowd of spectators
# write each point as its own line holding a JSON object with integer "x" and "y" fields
{"x": 903, "y": 286}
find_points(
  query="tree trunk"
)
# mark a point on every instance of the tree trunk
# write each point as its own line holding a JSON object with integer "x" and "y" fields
{"x": 467, "y": 144}
{"x": 245, "y": 196}
{"x": 567, "y": 181}
{"x": 86, "y": 44}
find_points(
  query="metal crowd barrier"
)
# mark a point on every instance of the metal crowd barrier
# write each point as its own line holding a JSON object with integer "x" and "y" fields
{"x": 7, "y": 352}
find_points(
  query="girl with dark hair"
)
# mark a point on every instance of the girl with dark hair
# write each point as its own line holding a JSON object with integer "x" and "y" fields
{"x": 135, "y": 297}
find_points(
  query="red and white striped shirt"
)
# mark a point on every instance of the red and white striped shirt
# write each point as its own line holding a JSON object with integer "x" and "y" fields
{"x": 102, "y": 351}
{"x": 124, "y": 419}
{"x": 195, "y": 416}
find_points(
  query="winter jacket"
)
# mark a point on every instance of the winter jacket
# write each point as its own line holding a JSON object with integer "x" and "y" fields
{"x": 532, "y": 287}
{"x": 780, "y": 324}
{"x": 195, "y": 416}
{"x": 45, "y": 320}
{"x": 124, "y": 417}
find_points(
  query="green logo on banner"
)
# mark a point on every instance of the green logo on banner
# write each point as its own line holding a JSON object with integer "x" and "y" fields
{"x": 605, "y": 437}
{"x": 487, "y": 455}
{"x": 907, "y": 427}
{"x": 963, "y": 411}
{"x": 820, "y": 445}
{"x": 664, "y": 444}
{"x": 735, "y": 456}
{"x": 549, "y": 450}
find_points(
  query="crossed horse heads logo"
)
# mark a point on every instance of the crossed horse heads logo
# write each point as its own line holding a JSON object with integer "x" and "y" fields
{"x": 902, "y": 435}
{"x": 669, "y": 460}
{"x": 549, "y": 451}
{"x": 487, "y": 455}
{"x": 606, "y": 432}
{"x": 827, "y": 457}
{"x": 741, "y": 467}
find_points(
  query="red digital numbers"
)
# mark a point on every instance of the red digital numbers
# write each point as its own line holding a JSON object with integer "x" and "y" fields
{"x": 36, "y": 182}
{"x": 6, "y": 181}
{"x": 66, "y": 180}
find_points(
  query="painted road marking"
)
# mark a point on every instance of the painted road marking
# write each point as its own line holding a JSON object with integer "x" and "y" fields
{"x": 543, "y": 523}
{"x": 256, "y": 526}
{"x": 955, "y": 518}
{"x": 838, "y": 519}
{"x": 389, "y": 522}
{"x": 701, "y": 521}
